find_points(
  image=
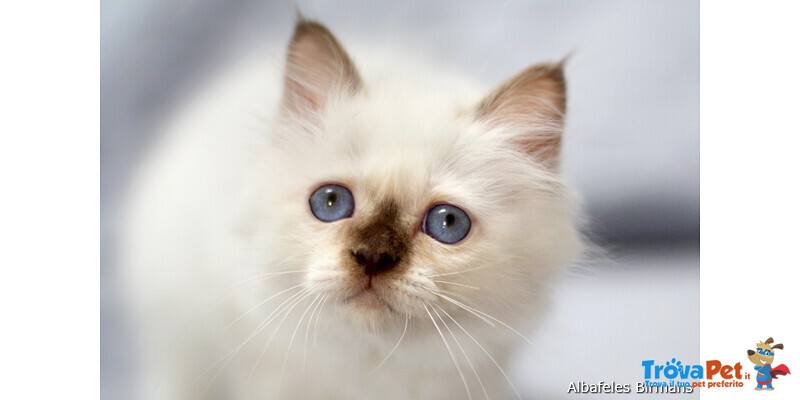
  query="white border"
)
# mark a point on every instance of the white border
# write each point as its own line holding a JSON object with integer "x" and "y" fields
{"x": 49, "y": 170}
{"x": 49, "y": 200}
{"x": 750, "y": 174}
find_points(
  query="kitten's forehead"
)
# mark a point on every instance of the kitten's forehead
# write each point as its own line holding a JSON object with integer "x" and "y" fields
{"x": 394, "y": 143}
{"x": 391, "y": 119}
{"x": 397, "y": 183}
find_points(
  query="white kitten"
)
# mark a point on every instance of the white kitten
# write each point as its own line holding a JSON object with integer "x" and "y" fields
{"x": 348, "y": 238}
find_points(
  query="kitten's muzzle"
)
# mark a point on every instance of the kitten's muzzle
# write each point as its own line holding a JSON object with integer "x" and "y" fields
{"x": 380, "y": 241}
{"x": 375, "y": 262}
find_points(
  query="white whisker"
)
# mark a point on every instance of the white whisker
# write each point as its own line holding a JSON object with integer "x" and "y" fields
{"x": 405, "y": 327}
{"x": 308, "y": 326}
{"x": 490, "y": 317}
{"x": 469, "y": 362}
{"x": 452, "y": 356}
{"x": 259, "y": 305}
{"x": 288, "y": 309}
{"x": 289, "y": 347}
{"x": 459, "y": 304}
{"x": 255, "y": 332}
{"x": 457, "y": 272}
{"x": 260, "y": 277}
{"x": 450, "y": 293}
{"x": 319, "y": 317}
{"x": 496, "y": 364}
{"x": 232, "y": 352}
{"x": 223, "y": 298}
{"x": 458, "y": 284}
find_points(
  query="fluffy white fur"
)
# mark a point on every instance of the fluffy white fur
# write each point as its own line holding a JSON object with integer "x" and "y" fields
{"x": 240, "y": 292}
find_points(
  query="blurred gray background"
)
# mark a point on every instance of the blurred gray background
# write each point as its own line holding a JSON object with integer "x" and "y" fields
{"x": 631, "y": 145}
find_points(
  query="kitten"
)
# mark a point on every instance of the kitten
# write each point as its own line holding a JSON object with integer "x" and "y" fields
{"x": 350, "y": 237}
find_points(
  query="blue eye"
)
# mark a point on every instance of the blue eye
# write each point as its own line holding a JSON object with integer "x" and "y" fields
{"x": 332, "y": 203}
{"x": 446, "y": 223}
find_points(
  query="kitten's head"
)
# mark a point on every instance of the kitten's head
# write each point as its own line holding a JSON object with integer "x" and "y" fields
{"x": 401, "y": 202}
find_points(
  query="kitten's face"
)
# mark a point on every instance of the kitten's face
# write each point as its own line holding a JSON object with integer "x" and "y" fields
{"x": 403, "y": 203}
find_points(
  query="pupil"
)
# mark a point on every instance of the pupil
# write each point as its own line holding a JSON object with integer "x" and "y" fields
{"x": 449, "y": 220}
{"x": 331, "y": 199}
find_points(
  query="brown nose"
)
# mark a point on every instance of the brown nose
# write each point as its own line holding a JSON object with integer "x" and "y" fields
{"x": 374, "y": 262}
{"x": 750, "y": 352}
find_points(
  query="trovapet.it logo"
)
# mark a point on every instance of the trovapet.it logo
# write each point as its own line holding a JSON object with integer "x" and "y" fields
{"x": 675, "y": 376}
{"x": 763, "y": 357}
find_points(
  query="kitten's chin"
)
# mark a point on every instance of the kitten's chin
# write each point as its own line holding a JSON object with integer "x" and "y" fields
{"x": 368, "y": 309}
{"x": 368, "y": 300}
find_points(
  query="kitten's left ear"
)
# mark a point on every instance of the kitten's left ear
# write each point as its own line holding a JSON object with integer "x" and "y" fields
{"x": 317, "y": 68}
{"x": 531, "y": 104}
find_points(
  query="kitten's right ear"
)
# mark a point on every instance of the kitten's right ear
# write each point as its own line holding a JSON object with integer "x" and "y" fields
{"x": 317, "y": 68}
{"x": 533, "y": 104}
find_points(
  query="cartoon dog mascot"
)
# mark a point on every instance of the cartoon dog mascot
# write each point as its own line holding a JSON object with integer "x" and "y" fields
{"x": 762, "y": 357}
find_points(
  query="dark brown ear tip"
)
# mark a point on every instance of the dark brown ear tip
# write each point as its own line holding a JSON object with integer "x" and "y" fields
{"x": 552, "y": 71}
{"x": 298, "y": 14}
{"x": 558, "y": 74}
{"x": 557, "y": 70}
{"x": 309, "y": 27}
{"x": 778, "y": 346}
{"x": 566, "y": 59}
{"x": 750, "y": 352}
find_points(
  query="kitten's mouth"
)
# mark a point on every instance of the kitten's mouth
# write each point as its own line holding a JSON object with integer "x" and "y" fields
{"x": 368, "y": 298}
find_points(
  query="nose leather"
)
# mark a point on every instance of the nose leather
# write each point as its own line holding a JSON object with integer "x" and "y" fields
{"x": 374, "y": 262}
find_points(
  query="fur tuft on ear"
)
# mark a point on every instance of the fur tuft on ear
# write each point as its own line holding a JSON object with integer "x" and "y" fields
{"x": 533, "y": 102}
{"x": 317, "y": 67}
